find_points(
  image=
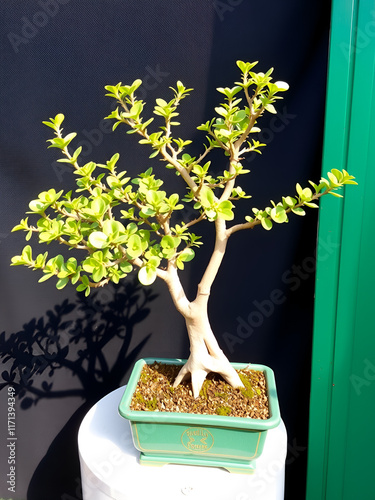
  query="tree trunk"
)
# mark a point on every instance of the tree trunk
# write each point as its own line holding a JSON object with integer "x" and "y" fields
{"x": 205, "y": 353}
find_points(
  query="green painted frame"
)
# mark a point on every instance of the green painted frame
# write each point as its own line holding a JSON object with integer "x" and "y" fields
{"x": 340, "y": 461}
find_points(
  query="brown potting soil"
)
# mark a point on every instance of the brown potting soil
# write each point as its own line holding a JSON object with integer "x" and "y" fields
{"x": 155, "y": 392}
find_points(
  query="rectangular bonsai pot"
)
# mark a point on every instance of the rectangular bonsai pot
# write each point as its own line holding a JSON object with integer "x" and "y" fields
{"x": 186, "y": 438}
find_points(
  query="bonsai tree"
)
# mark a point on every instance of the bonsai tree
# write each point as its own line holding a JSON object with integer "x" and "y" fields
{"x": 123, "y": 224}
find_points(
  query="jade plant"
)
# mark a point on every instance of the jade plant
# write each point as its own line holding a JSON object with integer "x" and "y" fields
{"x": 118, "y": 223}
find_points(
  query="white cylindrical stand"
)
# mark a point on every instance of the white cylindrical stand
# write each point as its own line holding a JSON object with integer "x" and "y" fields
{"x": 110, "y": 469}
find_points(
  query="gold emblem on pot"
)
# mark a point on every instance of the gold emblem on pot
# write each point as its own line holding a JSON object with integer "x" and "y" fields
{"x": 197, "y": 439}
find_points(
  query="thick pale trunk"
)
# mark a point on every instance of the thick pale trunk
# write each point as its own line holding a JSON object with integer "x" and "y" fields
{"x": 205, "y": 353}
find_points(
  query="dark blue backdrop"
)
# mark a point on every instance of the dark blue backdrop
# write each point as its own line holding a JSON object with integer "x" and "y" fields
{"x": 63, "y": 352}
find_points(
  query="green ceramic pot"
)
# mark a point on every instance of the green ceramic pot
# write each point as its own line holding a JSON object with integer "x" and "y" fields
{"x": 211, "y": 440}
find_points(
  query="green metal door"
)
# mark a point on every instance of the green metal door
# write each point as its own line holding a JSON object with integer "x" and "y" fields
{"x": 341, "y": 458}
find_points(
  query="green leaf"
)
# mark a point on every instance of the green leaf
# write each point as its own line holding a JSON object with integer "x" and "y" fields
{"x": 170, "y": 242}
{"x": 27, "y": 253}
{"x": 49, "y": 124}
{"x": 23, "y": 225}
{"x": 99, "y": 273}
{"x": 57, "y": 142}
{"x": 126, "y": 267}
{"x": 132, "y": 228}
{"x": 173, "y": 200}
{"x": 135, "y": 85}
{"x": 113, "y": 182}
{"x": 59, "y": 119}
{"x": 307, "y": 194}
{"x": 89, "y": 265}
{"x": 333, "y": 180}
{"x": 98, "y": 206}
{"x": 207, "y": 197}
{"x": 37, "y": 206}
{"x": 335, "y": 194}
{"x": 281, "y": 86}
{"x": 271, "y": 109}
{"x": 245, "y": 67}
{"x": 17, "y": 261}
{"x": 98, "y": 239}
{"x": 55, "y": 122}
{"x": 112, "y": 228}
{"x": 298, "y": 211}
{"x": 279, "y": 215}
{"x": 187, "y": 255}
{"x": 229, "y": 93}
{"x": 147, "y": 275}
{"x": 40, "y": 260}
{"x": 161, "y": 103}
{"x": 135, "y": 111}
{"x": 221, "y": 111}
{"x": 242, "y": 66}
{"x": 134, "y": 246}
{"x": 25, "y": 258}
{"x": 211, "y": 214}
{"x": 154, "y": 261}
{"x": 75, "y": 277}
{"x": 69, "y": 138}
{"x": 204, "y": 126}
{"x": 315, "y": 186}
{"x": 155, "y": 153}
{"x": 45, "y": 277}
{"x": 85, "y": 285}
{"x": 290, "y": 202}
{"x": 61, "y": 283}
{"x": 266, "y": 224}
{"x": 239, "y": 116}
{"x": 167, "y": 242}
{"x": 147, "y": 212}
{"x": 224, "y": 210}
{"x": 46, "y": 237}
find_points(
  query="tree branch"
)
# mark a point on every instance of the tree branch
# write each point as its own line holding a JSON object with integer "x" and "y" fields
{"x": 256, "y": 222}
{"x": 176, "y": 290}
{"x": 217, "y": 256}
{"x": 181, "y": 170}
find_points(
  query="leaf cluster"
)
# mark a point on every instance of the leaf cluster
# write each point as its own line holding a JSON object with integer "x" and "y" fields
{"x": 304, "y": 197}
{"x": 139, "y": 235}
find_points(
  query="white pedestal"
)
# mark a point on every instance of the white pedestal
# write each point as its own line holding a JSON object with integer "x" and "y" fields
{"x": 110, "y": 468}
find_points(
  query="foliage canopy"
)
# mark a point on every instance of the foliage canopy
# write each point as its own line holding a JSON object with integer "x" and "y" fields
{"x": 123, "y": 223}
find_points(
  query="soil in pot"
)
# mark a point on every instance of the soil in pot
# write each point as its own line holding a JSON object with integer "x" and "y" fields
{"x": 155, "y": 392}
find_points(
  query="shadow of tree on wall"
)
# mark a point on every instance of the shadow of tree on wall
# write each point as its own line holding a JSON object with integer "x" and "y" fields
{"x": 89, "y": 340}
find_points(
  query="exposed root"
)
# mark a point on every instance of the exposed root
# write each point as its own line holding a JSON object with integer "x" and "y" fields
{"x": 198, "y": 368}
